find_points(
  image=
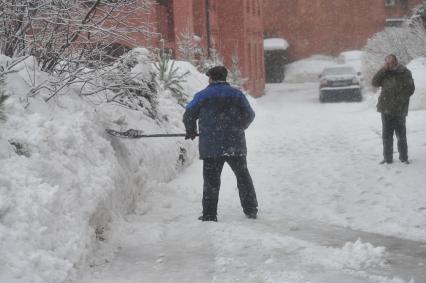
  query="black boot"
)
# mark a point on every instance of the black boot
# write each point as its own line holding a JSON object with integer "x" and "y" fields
{"x": 251, "y": 215}
{"x": 384, "y": 161}
{"x": 208, "y": 218}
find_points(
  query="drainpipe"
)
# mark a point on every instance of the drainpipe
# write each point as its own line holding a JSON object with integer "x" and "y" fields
{"x": 207, "y": 4}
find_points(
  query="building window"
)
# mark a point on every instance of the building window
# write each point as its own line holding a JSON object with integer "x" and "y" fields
{"x": 404, "y": 3}
{"x": 248, "y": 6}
{"x": 390, "y": 3}
{"x": 163, "y": 2}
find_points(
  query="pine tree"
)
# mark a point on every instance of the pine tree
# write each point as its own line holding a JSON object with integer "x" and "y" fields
{"x": 235, "y": 77}
{"x": 214, "y": 60}
{"x": 169, "y": 77}
{"x": 189, "y": 46}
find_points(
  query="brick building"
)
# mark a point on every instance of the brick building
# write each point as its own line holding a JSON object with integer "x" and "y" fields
{"x": 329, "y": 27}
{"x": 237, "y": 27}
{"x": 234, "y": 28}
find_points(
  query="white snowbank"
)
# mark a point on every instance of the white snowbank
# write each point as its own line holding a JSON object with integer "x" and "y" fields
{"x": 308, "y": 70}
{"x": 418, "y": 69}
{"x": 275, "y": 44}
{"x": 352, "y": 58}
{"x": 360, "y": 256}
{"x": 195, "y": 80}
{"x": 72, "y": 179}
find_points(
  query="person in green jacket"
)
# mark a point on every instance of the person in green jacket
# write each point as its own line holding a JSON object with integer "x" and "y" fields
{"x": 397, "y": 86}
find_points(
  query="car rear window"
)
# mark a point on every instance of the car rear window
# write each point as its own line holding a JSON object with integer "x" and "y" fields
{"x": 339, "y": 71}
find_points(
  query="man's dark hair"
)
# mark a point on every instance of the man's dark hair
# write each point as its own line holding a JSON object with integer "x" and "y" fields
{"x": 218, "y": 73}
{"x": 393, "y": 56}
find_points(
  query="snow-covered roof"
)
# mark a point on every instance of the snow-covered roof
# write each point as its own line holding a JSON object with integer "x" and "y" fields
{"x": 275, "y": 44}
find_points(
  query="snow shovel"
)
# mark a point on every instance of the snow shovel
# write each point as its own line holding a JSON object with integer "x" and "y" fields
{"x": 137, "y": 134}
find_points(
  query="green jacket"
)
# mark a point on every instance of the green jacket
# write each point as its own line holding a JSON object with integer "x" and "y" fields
{"x": 397, "y": 87}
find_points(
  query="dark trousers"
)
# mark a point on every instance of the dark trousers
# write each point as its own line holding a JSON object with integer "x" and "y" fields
{"x": 394, "y": 124}
{"x": 212, "y": 169}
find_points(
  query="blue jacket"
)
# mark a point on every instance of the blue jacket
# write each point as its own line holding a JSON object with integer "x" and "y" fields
{"x": 223, "y": 113}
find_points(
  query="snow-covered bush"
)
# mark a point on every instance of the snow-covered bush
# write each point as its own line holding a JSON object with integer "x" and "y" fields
{"x": 407, "y": 42}
{"x": 54, "y": 31}
{"x": 74, "y": 41}
{"x": 419, "y": 15}
{"x": 132, "y": 83}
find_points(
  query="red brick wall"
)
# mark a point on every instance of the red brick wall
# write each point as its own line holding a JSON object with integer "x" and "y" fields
{"x": 241, "y": 33}
{"x": 200, "y": 22}
{"x": 236, "y": 27}
{"x": 168, "y": 19}
{"x": 328, "y": 27}
{"x": 183, "y": 20}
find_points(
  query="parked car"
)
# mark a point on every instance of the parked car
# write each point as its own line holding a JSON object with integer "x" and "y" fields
{"x": 340, "y": 83}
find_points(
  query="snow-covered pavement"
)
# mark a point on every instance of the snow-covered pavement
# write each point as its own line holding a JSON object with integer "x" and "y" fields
{"x": 328, "y": 211}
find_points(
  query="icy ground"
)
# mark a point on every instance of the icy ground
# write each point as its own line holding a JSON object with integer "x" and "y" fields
{"x": 328, "y": 212}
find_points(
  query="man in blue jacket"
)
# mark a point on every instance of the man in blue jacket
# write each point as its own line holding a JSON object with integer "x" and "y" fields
{"x": 223, "y": 113}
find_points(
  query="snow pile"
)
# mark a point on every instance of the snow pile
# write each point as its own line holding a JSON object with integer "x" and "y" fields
{"x": 355, "y": 256}
{"x": 62, "y": 179}
{"x": 418, "y": 69}
{"x": 361, "y": 255}
{"x": 275, "y": 44}
{"x": 196, "y": 79}
{"x": 352, "y": 58}
{"x": 308, "y": 70}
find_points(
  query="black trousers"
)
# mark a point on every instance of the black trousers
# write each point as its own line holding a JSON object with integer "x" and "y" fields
{"x": 394, "y": 124}
{"x": 212, "y": 169}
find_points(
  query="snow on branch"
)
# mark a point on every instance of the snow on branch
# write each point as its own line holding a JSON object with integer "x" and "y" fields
{"x": 79, "y": 43}
{"x": 407, "y": 43}
{"x": 70, "y": 30}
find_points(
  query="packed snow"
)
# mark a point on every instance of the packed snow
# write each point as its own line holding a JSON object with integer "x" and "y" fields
{"x": 329, "y": 212}
{"x": 77, "y": 205}
{"x": 275, "y": 44}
